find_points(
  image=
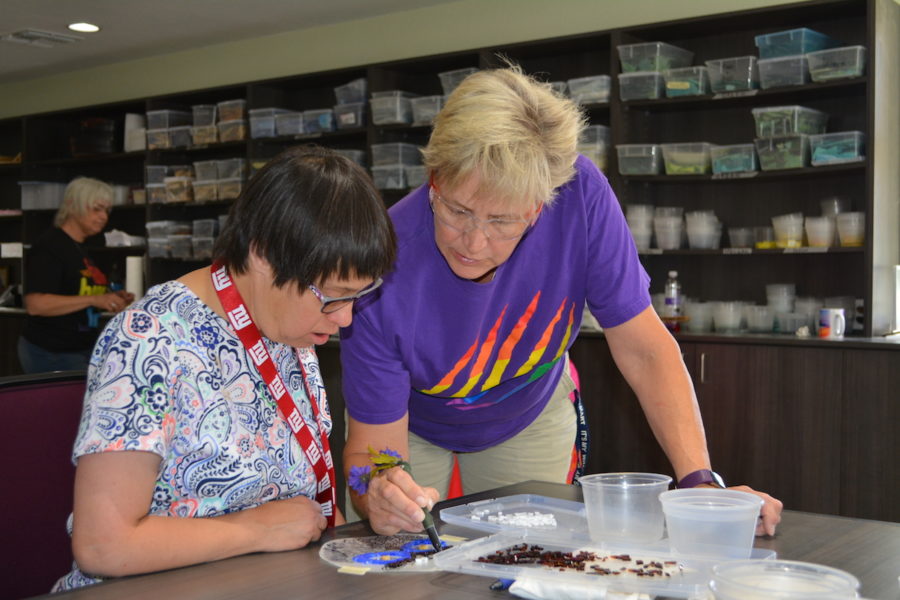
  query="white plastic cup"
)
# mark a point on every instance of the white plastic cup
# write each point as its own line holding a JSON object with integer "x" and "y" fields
{"x": 710, "y": 522}
{"x": 820, "y": 231}
{"x": 782, "y": 579}
{"x": 624, "y": 507}
{"x": 851, "y": 228}
{"x": 760, "y": 319}
{"x": 788, "y": 230}
{"x": 699, "y": 316}
{"x": 727, "y": 317}
{"x": 741, "y": 237}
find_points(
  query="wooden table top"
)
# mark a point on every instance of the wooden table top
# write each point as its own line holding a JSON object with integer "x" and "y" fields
{"x": 870, "y": 550}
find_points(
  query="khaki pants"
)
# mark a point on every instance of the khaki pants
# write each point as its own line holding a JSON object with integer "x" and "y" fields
{"x": 542, "y": 451}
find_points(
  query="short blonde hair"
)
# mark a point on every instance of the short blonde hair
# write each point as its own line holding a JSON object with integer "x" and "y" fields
{"x": 518, "y": 135}
{"x": 80, "y": 196}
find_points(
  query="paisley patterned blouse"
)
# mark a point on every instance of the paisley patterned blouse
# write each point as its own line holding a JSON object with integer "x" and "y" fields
{"x": 169, "y": 376}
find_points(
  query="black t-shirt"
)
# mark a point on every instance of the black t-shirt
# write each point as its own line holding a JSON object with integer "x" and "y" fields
{"x": 57, "y": 264}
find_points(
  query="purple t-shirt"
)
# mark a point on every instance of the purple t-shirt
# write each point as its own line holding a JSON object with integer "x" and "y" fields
{"x": 475, "y": 363}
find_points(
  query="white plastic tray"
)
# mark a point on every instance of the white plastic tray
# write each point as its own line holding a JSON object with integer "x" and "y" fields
{"x": 689, "y": 577}
{"x": 571, "y": 520}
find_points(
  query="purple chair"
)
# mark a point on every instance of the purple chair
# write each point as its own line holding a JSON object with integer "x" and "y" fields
{"x": 40, "y": 421}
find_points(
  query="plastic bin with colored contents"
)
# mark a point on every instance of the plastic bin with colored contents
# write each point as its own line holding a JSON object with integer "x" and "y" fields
{"x": 687, "y": 81}
{"x": 792, "y": 41}
{"x": 733, "y": 158}
{"x": 735, "y": 74}
{"x": 639, "y": 159}
{"x": 690, "y": 158}
{"x": 262, "y": 121}
{"x": 837, "y": 147}
{"x": 837, "y": 63}
{"x": 653, "y": 56}
{"x": 781, "y": 120}
{"x": 645, "y": 85}
{"x": 783, "y": 152}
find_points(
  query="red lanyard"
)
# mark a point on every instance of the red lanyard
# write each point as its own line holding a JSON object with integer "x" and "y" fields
{"x": 248, "y": 333}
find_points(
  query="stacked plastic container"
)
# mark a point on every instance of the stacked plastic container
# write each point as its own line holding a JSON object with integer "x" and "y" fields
{"x": 644, "y": 67}
{"x": 783, "y": 132}
{"x": 593, "y": 89}
{"x": 187, "y": 240}
{"x": 232, "y": 123}
{"x": 782, "y": 56}
{"x": 262, "y": 121}
{"x": 168, "y": 129}
{"x": 594, "y": 143}
{"x": 204, "y": 130}
{"x": 393, "y": 107}
{"x": 389, "y": 164}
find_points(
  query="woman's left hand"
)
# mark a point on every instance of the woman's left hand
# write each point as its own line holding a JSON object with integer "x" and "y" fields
{"x": 769, "y": 515}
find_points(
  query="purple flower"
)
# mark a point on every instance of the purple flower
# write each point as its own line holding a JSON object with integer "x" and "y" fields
{"x": 390, "y": 452}
{"x": 359, "y": 479}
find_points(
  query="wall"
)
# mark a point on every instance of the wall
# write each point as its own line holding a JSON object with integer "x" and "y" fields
{"x": 449, "y": 27}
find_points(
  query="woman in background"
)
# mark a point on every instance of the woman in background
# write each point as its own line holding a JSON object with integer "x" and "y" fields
{"x": 65, "y": 292}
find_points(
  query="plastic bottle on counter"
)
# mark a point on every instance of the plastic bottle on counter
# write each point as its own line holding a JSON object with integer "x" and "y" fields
{"x": 672, "y": 308}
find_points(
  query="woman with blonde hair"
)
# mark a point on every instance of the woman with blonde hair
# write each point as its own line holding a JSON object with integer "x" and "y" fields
{"x": 464, "y": 352}
{"x": 65, "y": 292}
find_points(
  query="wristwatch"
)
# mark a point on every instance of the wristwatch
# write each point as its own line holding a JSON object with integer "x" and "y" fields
{"x": 699, "y": 478}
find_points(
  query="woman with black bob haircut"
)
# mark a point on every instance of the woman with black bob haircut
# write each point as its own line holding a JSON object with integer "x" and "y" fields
{"x": 204, "y": 399}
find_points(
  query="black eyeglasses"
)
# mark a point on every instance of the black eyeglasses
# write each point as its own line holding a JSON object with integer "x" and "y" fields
{"x": 330, "y": 305}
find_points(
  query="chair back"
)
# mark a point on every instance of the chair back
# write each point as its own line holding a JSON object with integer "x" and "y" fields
{"x": 40, "y": 421}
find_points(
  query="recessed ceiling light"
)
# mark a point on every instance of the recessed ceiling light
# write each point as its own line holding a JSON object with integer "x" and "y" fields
{"x": 84, "y": 27}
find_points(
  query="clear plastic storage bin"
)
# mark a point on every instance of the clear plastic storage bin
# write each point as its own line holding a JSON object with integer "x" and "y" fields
{"x": 735, "y": 158}
{"x": 161, "y": 119}
{"x": 350, "y": 92}
{"x": 289, "y": 123}
{"x": 837, "y": 147}
{"x": 416, "y": 175}
{"x": 357, "y": 156}
{"x": 426, "y": 108}
{"x": 792, "y": 41}
{"x": 350, "y": 116}
{"x": 653, "y": 56}
{"x": 156, "y": 193}
{"x": 262, "y": 121}
{"x": 687, "y": 81}
{"x": 205, "y": 134}
{"x": 392, "y": 108}
{"x": 686, "y": 159}
{"x": 639, "y": 159}
{"x": 230, "y": 189}
{"x": 590, "y": 90}
{"x": 783, "y": 72}
{"x": 203, "y": 115}
{"x": 647, "y": 85}
{"x": 158, "y": 247}
{"x": 395, "y": 153}
{"x": 41, "y": 194}
{"x": 837, "y": 63}
{"x": 158, "y": 229}
{"x": 229, "y": 168}
{"x": 179, "y": 190}
{"x": 734, "y": 74}
{"x": 232, "y": 110}
{"x": 156, "y": 173}
{"x": 389, "y": 177}
{"x": 180, "y": 246}
{"x": 232, "y": 131}
{"x": 318, "y": 120}
{"x": 451, "y": 79}
{"x": 180, "y": 137}
{"x": 158, "y": 139}
{"x": 783, "y": 152}
{"x": 206, "y": 170}
{"x": 205, "y": 191}
{"x": 201, "y": 247}
{"x": 781, "y": 120}
{"x": 204, "y": 227}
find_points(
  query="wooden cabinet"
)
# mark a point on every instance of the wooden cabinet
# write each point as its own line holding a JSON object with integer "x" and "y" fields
{"x": 814, "y": 426}
{"x": 773, "y": 419}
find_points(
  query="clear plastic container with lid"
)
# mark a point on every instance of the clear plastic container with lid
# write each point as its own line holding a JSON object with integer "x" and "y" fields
{"x": 160, "y": 119}
{"x": 686, "y": 159}
{"x": 232, "y": 131}
{"x": 201, "y": 247}
{"x": 318, "y": 120}
{"x": 350, "y": 116}
{"x": 451, "y": 79}
{"x": 782, "y": 579}
{"x": 687, "y": 81}
{"x": 230, "y": 189}
{"x": 232, "y": 110}
{"x": 229, "y": 168}
{"x": 593, "y": 89}
{"x": 204, "y": 115}
{"x": 204, "y": 134}
{"x": 646, "y": 85}
{"x": 205, "y": 191}
{"x": 426, "y": 108}
{"x": 180, "y": 137}
{"x": 734, "y": 158}
{"x": 783, "y": 152}
{"x": 653, "y": 56}
{"x": 735, "y": 74}
{"x": 781, "y": 120}
{"x": 792, "y": 41}
{"x": 392, "y": 108}
{"x": 357, "y": 156}
{"x": 206, "y": 170}
{"x": 289, "y": 123}
{"x": 639, "y": 159}
{"x": 783, "y": 72}
{"x": 262, "y": 121}
{"x": 837, "y": 63}
{"x": 396, "y": 153}
{"x": 837, "y": 147}
{"x": 389, "y": 177}
{"x": 158, "y": 139}
{"x": 416, "y": 175}
{"x": 204, "y": 227}
{"x": 179, "y": 189}
{"x": 352, "y": 91}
